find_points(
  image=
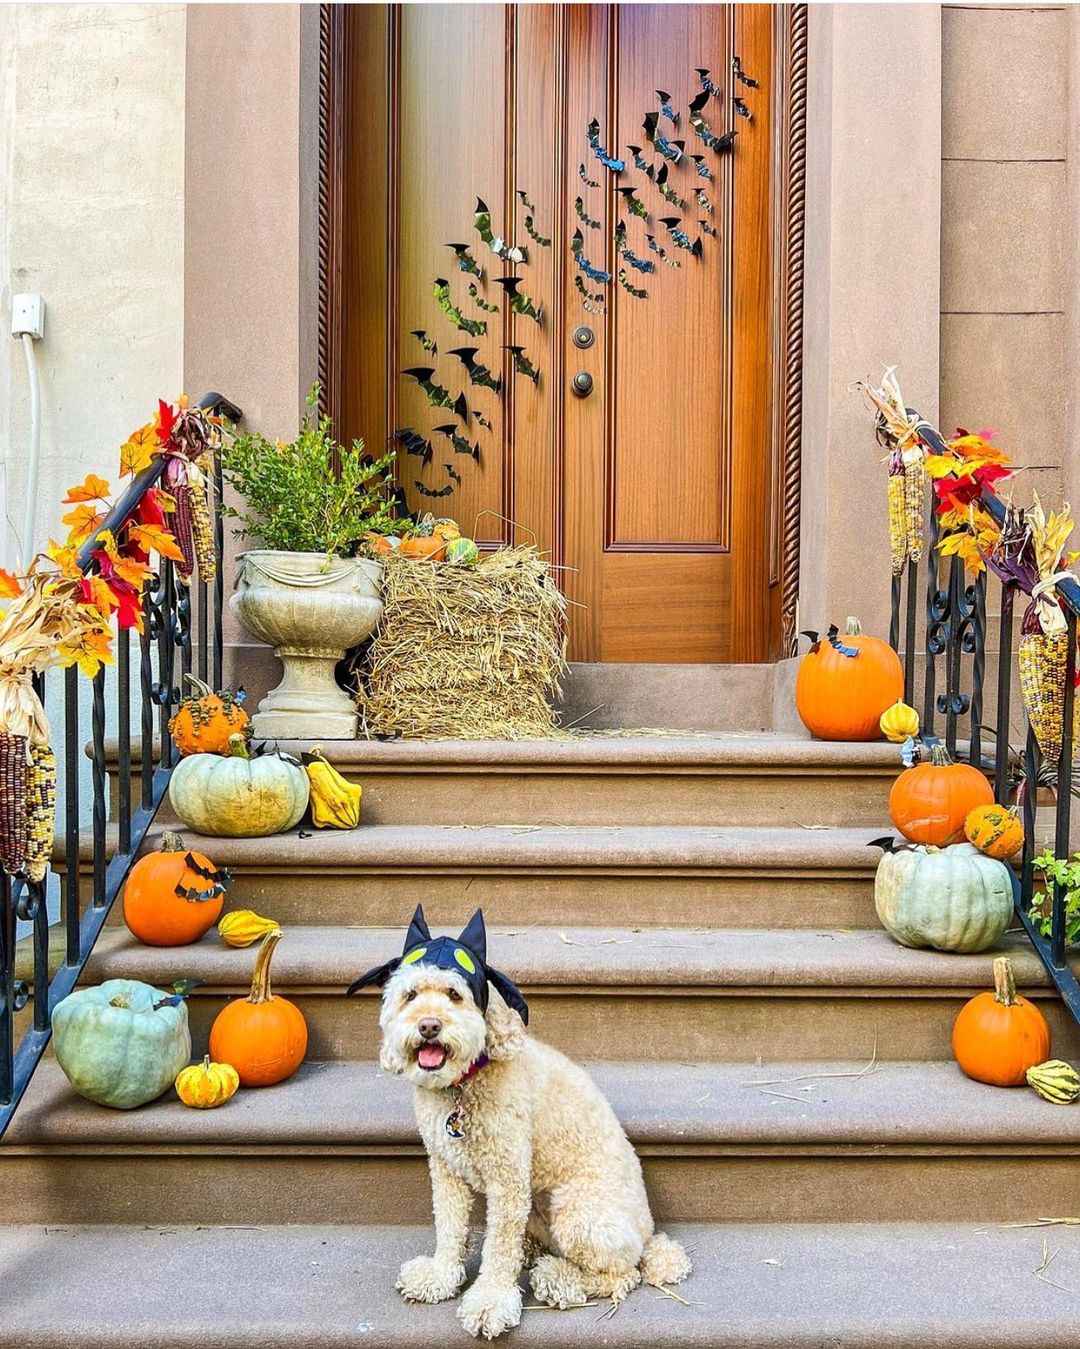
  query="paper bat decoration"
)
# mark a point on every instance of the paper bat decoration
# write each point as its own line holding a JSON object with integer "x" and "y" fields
{"x": 640, "y": 264}
{"x": 525, "y": 200}
{"x": 460, "y": 444}
{"x": 412, "y": 442}
{"x": 672, "y": 150}
{"x": 633, "y": 203}
{"x": 437, "y": 396}
{"x": 741, "y": 109}
{"x": 593, "y": 302}
{"x": 431, "y": 491}
{"x": 624, "y": 281}
{"x": 666, "y": 110}
{"x": 577, "y": 247}
{"x": 522, "y": 364}
{"x": 483, "y": 421}
{"x": 585, "y": 178}
{"x": 466, "y": 261}
{"x": 661, "y": 253}
{"x": 426, "y": 342}
{"x": 519, "y": 302}
{"x": 579, "y": 207}
{"x": 479, "y": 300}
{"x": 639, "y": 162}
{"x": 499, "y": 246}
{"x": 474, "y": 327}
{"x": 530, "y": 227}
{"x": 592, "y": 135}
{"x": 710, "y": 230}
{"x": 702, "y": 129}
{"x": 703, "y": 170}
{"x": 679, "y": 237}
{"x": 740, "y": 74}
{"x": 666, "y": 191}
{"x": 478, "y": 374}
{"x": 702, "y": 199}
{"x": 452, "y": 472}
{"x": 707, "y": 84}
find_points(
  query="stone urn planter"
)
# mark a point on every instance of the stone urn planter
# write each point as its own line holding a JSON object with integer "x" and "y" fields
{"x": 311, "y": 609}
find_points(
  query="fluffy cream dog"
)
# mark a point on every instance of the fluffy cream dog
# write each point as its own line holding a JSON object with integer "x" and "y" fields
{"x": 507, "y": 1117}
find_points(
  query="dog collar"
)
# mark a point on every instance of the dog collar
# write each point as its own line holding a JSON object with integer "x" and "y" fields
{"x": 455, "y": 1121}
{"x": 471, "y": 1070}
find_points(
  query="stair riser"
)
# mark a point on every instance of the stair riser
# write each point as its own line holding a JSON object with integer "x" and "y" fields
{"x": 619, "y": 797}
{"x": 392, "y": 1187}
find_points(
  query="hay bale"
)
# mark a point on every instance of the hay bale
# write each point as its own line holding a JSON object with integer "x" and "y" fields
{"x": 467, "y": 653}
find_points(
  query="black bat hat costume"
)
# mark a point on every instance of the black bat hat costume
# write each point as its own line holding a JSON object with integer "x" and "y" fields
{"x": 466, "y": 956}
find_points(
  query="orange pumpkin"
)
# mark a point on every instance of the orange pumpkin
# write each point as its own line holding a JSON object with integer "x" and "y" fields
{"x": 204, "y": 722}
{"x": 174, "y": 896}
{"x": 845, "y": 684}
{"x": 930, "y": 802}
{"x": 263, "y": 1037}
{"x": 381, "y": 544}
{"x": 998, "y": 1036}
{"x": 432, "y": 548}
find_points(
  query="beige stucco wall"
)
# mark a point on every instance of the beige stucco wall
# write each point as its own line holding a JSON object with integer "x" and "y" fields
{"x": 91, "y": 217}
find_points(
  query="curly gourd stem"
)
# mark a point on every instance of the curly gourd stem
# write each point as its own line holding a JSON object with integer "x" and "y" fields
{"x": 202, "y": 689}
{"x": 1004, "y": 982}
{"x": 260, "y": 979}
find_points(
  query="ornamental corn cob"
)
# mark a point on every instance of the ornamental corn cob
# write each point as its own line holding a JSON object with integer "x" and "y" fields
{"x": 202, "y": 527}
{"x": 898, "y": 533}
{"x": 914, "y": 508}
{"x": 40, "y": 810}
{"x": 182, "y": 527}
{"x": 1042, "y": 657}
{"x": 13, "y": 775}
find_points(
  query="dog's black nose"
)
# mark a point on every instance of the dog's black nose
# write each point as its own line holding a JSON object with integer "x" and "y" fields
{"x": 429, "y": 1028}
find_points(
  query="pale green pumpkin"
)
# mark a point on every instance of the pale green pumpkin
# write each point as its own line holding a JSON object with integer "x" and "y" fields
{"x": 953, "y": 899}
{"x": 236, "y": 796}
{"x": 116, "y": 1047}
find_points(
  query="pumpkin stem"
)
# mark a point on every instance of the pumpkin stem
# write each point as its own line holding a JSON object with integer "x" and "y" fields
{"x": 939, "y": 756}
{"x": 238, "y": 746}
{"x": 1004, "y": 982}
{"x": 206, "y": 1063}
{"x": 202, "y": 689}
{"x": 853, "y": 628}
{"x": 171, "y": 842}
{"x": 260, "y": 979}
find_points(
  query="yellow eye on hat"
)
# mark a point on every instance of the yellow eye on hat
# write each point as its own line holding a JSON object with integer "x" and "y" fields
{"x": 463, "y": 960}
{"x": 414, "y": 956}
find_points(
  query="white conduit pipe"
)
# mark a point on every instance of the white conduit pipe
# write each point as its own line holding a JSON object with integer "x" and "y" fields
{"x": 27, "y": 549}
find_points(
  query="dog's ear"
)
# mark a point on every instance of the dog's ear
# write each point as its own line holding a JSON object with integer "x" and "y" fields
{"x": 474, "y": 936}
{"x": 378, "y": 975}
{"x": 505, "y": 1036}
{"x": 418, "y": 930}
{"x": 510, "y": 992}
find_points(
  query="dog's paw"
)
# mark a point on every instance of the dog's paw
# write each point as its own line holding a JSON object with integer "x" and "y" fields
{"x": 557, "y": 1282}
{"x": 426, "y": 1279}
{"x": 489, "y": 1308}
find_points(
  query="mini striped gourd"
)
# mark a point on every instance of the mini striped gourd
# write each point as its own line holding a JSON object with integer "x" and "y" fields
{"x": 1055, "y": 1081}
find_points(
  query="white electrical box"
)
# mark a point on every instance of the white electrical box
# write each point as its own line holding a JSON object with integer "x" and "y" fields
{"x": 28, "y": 316}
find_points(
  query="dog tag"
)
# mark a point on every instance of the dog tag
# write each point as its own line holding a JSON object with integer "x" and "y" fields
{"x": 455, "y": 1122}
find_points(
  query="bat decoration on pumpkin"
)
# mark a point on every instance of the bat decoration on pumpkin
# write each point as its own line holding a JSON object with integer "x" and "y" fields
{"x": 426, "y": 342}
{"x": 640, "y": 264}
{"x": 833, "y": 638}
{"x": 625, "y": 282}
{"x": 478, "y": 374}
{"x": 710, "y": 230}
{"x": 702, "y": 129}
{"x": 530, "y": 227}
{"x": 666, "y": 191}
{"x": 412, "y": 442}
{"x": 679, "y": 237}
{"x": 592, "y": 135}
{"x": 740, "y": 108}
{"x": 703, "y": 170}
{"x": 702, "y": 199}
{"x": 522, "y": 364}
{"x": 432, "y": 491}
{"x": 577, "y": 247}
{"x": 474, "y": 327}
{"x": 672, "y": 150}
{"x": 707, "y": 84}
{"x": 585, "y": 177}
{"x": 661, "y": 253}
{"x": 666, "y": 110}
{"x": 498, "y": 245}
{"x": 466, "y": 261}
{"x": 519, "y": 302}
{"x": 592, "y": 301}
{"x": 579, "y": 207}
{"x": 437, "y": 396}
{"x": 479, "y": 300}
{"x": 460, "y": 444}
{"x": 741, "y": 75}
{"x": 640, "y": 162}
{"x": 633, "y": 203}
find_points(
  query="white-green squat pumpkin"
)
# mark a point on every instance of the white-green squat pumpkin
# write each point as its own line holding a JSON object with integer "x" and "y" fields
{"x": 238, "y": 796}
{"x": 117, "y": 1046}
{"x": 953, "y": 899}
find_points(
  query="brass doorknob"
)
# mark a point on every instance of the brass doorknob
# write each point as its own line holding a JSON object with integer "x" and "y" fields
{"x": 582, "y": 384}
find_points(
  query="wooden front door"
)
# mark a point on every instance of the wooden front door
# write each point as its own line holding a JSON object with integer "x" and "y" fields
{"x": 615, "y": 402}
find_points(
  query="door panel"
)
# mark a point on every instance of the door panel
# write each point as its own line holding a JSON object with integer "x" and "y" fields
{"x": 652, "y": 490}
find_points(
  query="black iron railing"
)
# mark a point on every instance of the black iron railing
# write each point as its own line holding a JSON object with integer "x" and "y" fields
{"x": 944, "y": 619}
{"x": 181, "y": 635}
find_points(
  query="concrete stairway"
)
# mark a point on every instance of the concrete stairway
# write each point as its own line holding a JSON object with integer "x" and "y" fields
{"x": 693, "y": 916}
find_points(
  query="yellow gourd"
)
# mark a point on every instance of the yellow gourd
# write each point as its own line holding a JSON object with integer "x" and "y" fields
{"x": 995, "y": 830}
{"x": 1055, "y": 1081}
{"x": 335, "y": 801}
{"x": 206, "y": 1085}
{"x": 899, "y": 722}
{"x": 244, "y": 926}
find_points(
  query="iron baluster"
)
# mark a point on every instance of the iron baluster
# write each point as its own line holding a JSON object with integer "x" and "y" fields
{"x": 219, "y": 577}
{"x": 1064, "y": 797}
{"x": 165, "y": 664}
{"x": 1031, "y": 794}
{"x": 937, "y": 610}
{"x": 182, "y": 630}
{"x": 147, "y": 687}
{"x": 72, "y": 859}
{"x": 975, "y": 646}
{"x": 1004, "y": 697}
{"x": 909, "y": 631}
{"x": 123, "y": 713}
{"x": 97, "y": 733}
{"x": 896, "y": 603}
{"x": 201, "y": 639}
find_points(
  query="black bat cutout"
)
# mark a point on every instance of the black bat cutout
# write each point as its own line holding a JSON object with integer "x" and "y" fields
{"x": 413, "y": 443}
{"x": 672, "y": 150}
{"x": 466, "y": 261}
{"x": 426, "y": 342}
{"x": 661, "y": 253}
{"x": 666, "y": 191}
{"x": 709, "y": 229}
{"x": 702, "y": 129}
{"x": 522, "y": 364}
{"x": 577, "y": 247}
{"x": 666, "y": 110}
{"x": 593, "y": 303}
{"x": 437, "y": 396}
{"x": 702, "y": 199}
{"x": 741, "y": 109}
{"x": 452, "y": 471}
{"x": 707, "y": 84}
{"x": 640, "y": 162}
{"x": 479, "y": 300}
{"x": 431, "y": 491}
{"x": 624, "y": 281}
{"x": 519, "y": 302}
{"x": 679, "y": 236}
{"x": 478, "y": 374}
{"x": 741, "y": 75}
{"x": 579, "y": 207}
{"x": 703, "y": 170}
{"x": 592, "y": 135}
{"x": 525, "y": 200}
{"x": 498, "y": 245}
{"x": 585, "y": 178}
{"x": 474, "y": 327}
{"x": 534, "y": 235}
{"x": 460, "y": 444}
{"x": 483, "y": 421}
{"x": 633, "y": 203}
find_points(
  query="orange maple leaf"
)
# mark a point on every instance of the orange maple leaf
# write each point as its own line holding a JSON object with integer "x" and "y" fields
{"x": 10, "y": 586}
{"x": 82, "y": 522}
{"x": 138, "y": 450}
{"x": 128, "y": 569}
{"x": 153, "y": 538}
{"x": 100, "y": 596}
{"x": 92, "y": 488}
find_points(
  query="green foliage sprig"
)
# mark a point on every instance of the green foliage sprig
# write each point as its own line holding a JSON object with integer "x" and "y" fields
{"x": 1064, "y": 871}
{"x": 295, "y": 500}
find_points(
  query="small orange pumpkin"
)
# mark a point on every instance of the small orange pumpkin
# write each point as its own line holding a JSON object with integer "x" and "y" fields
{"x": 432, "y": 548}
{"x": 929, "y": 802}
{"x": 844, "y": 685}
{"x": 172, "y": 897}
{"x": 203, "y": 723}
{"x": 263, "y": 1037}
{"x": 998, "y": 1036}
{"x": 995, "y": 830}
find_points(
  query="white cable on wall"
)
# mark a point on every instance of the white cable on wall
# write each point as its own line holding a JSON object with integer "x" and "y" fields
{"x": 34, "y": 446}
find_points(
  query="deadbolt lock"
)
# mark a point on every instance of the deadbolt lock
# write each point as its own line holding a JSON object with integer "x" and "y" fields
{"x": 583, "y": 338}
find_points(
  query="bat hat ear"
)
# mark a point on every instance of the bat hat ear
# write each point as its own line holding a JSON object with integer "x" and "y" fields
{"x": 378, "y": 975}
{"x": 418, "y": 931}
{"x": 474, "y": 935}
{"x": 510, "y": 993}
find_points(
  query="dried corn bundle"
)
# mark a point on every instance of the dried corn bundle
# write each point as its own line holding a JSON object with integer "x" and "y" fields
{"x": 897, "y": 489}
{"x": 915, "y": 480}
{"x": 202, "y": 525}
{"x": 467, "y": 653}
{"x": 182, "y": 525}
{"x": 40, "y": 810}
{"x": 13, "y": 776}
{"x": 1044, "y": 641}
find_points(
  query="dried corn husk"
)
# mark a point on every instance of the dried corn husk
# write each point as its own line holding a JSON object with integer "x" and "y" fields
{"x": 13, "y": 773}
{"x": 40, "y": 810}
{"x": 915, "y": 503}
{"x": 1044, "y": 642}
{"x": 467, "y": 653}
{"x": 898, "y": 536}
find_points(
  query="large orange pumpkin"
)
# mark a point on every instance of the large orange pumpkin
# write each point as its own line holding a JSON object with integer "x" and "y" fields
{"x": 204, "y": 722}
{"x": 845, "y": 684}
{"x": 998, "y": 1036}
{"x": 263, "y": 1037}
{"x": 174, "y": 896}
{"x": 930, "y": 802}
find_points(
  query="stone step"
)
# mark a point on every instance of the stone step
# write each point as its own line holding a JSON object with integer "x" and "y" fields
{"x": 723, "y": 876}
{"x": 796, "y": 1142}
{"x": 772, "y": 779}
{"x": 630, "y": 993}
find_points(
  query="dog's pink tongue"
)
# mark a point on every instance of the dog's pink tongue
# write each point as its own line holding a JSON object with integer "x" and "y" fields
{"x": 431, "y": 1056}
